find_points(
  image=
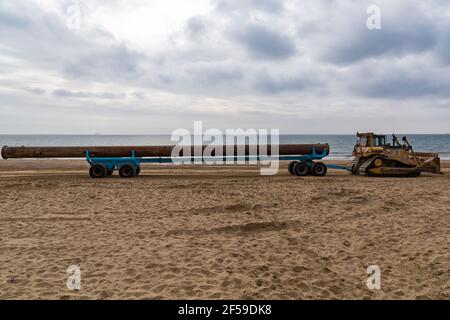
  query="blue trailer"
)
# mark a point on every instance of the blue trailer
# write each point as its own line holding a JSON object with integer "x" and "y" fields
{"x": 128, "y": 167}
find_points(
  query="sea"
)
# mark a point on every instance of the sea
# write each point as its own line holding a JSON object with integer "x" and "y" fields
{"x": 341, "y": 145}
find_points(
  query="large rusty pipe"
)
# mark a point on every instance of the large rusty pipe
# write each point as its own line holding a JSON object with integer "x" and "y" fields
{"x": 149, "y": 151}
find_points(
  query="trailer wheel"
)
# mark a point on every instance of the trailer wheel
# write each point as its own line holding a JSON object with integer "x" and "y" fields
{"x": 301, "y": 169}
{"x": 319, "y": 169}
{"x": 97, "y": 171}
{"x": 291, "y": 167}
{"x": 127, "y": 171}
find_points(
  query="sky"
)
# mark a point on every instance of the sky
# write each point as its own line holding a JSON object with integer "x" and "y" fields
{"x": 149, "y": 67}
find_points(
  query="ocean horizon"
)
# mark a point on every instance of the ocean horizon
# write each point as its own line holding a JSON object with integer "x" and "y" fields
{"x": 341, "y": 145}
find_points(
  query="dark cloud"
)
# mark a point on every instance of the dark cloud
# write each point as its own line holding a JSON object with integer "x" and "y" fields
{"x": 272, "y": 85}
{"x": 341, "y": 36}
{"x": 402, "y": 87}
{"x": 443, "y": 46}
{"x": 68, "y": 93}
{"x": 270, "y": 6}
{"x": 214, "y": 74}
{"x": 404, "y": 81}
{"x": 394, "y": 40}
{"x": 104, "y": 63}
{"x": 264, "y": 43}
{"x": 195, "y": 26}
{"x": 10, "y": 19}
{"x": 43, "y": 39}
{"x": 218, "y": 78}
{"x": 84, "y": 94}
{"x": 33, "y": 90}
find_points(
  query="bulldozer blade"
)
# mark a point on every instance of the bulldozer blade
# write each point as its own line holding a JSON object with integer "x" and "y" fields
{"x": 432, "y": 165}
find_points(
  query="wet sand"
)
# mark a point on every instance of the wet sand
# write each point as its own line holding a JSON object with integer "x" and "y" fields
{"x": 220, "y": 233}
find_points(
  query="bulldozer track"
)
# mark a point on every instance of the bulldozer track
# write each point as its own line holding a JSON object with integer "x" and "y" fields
{"x": 362, "y": 170}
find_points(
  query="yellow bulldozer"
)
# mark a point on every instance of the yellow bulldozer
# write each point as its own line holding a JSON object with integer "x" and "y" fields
{"x": 374, "y": 156}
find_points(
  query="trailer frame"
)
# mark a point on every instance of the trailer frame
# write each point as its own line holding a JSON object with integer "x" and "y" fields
{"x": 133, "y": 163}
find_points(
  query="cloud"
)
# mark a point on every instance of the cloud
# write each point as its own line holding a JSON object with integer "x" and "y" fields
{"x": 195, "y": 26}
{"x": 375, "y": 43}
{"x": 264, "y": 43}
{"x": 409, "y": 78}
{"x": 9, "y": 19}
{"x": 230, "y": 6}
{"x": 42, "y": 38}
{"x": 443, "y": 42}
{"x": 84, "y": 94}
{"x": 297, "y": 59}
{"x": 341, "y": 36}
{"x": 33, "y": 90}
{"x": 109, "y": 63}
{"x": 297, "y": 82}
{"x": 214, "y": 73}
{"x": 402, "y": 86}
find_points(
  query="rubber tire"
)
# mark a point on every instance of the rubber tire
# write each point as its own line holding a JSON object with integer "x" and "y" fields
{"x": 319, "y": 169}
{"x": 97, "y": 171}
{"x": 291, "y": 167}
{"x": 127, "y": 171}
{"x": 301, "y": 169}
{"x": 138, "y": 170}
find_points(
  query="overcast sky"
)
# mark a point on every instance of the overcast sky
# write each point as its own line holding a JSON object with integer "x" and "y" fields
{"x": 153, "y": 66}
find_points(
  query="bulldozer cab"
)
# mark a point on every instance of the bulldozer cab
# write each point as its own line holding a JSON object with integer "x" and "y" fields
{"x": 370, "y": 140}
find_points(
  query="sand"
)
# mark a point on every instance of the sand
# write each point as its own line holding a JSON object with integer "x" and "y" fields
{"x": 220, "y": 233}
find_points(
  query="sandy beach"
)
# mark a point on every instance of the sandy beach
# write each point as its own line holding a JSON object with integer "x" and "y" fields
{"x": 214, "y": 232}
